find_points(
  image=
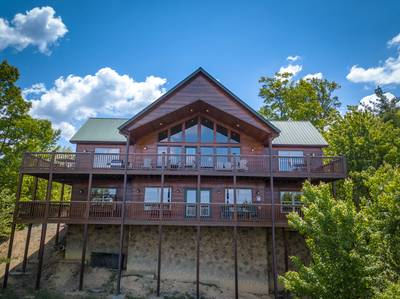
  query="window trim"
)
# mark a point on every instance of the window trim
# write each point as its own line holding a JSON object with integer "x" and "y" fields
{"x": 103, "y": 201}
{"x": 237, "y": 196}
{"x": 194, "y": 205}
{"x": 294, "y": 206}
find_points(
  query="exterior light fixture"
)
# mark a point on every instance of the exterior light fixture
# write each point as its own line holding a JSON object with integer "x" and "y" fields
{"x": 145, "y": 147}
{"x": 161, "y": 124}
{"x": 137, "y": 190}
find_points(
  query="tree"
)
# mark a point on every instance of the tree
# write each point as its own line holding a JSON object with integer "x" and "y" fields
{"x": 340, "y": 266}
{"x": 364, "y": 139}
{"x": 19, "y": 132}
{"x": 386, "y": 107}
{"x": 381, "y": 213}
{"x": 311, "y": 99}
{"x": 6, "y": 212}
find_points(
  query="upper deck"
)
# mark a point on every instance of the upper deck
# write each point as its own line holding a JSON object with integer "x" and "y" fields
{"x": 308, "y": 166}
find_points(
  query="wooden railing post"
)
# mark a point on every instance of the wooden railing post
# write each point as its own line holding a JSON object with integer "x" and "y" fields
{"x": 198, "y": 199}
{"x": 308, "y": 167}
{"x": 161, "y": 209}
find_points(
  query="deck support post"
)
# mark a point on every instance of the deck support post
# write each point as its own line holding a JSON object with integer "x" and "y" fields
{"x": 159, "y": 260}
{"x": 198, "y": 262}
{"x": 160, "y": 226}
{"x": 286, "y": 254}
{"x": 59, "y": 211}
{"x": 271, "y": 180}
{"x": 13, "y": 226}
{"x": 121, "y": 235}
{"x": 44, "y": 225}
{"x": 236, "y": 261}
{"x": 85, "y": 232}
{"x": 28, "y": 234}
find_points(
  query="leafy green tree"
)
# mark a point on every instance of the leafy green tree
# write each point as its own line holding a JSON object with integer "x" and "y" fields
{"x": 386, "y": 107}
{"x": 391, "y": 292}
{"x": 311, "y": 99}
{"x": 364, "y": 139}
{"x": 381, "y": 213}
{"x": 19, "y": 132}
{"x": 6, "y": 212}
{"x": 340, "y": 265}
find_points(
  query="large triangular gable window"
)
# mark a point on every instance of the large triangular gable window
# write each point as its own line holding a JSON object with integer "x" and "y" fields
{"x": 199, "y": 130}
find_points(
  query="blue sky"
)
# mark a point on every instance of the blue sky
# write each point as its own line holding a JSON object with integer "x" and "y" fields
{"x": 101, "y": 43}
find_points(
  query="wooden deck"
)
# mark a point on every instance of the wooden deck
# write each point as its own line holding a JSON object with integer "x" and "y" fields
{"x": 211, "y": 165}
{"x": 139, "y": 213}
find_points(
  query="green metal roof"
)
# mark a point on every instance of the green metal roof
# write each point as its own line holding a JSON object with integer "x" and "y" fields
{"x": 100, "y": 130}
{"x": 292, "y": 132}
{"x": 298, "y": 132}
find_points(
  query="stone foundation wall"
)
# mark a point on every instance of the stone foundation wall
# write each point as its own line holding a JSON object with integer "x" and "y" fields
{"x": 101, "y": 238}
{"x": 178, "y": 260}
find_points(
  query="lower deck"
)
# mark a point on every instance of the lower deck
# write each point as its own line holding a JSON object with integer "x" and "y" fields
{"x": 139, "y": 213}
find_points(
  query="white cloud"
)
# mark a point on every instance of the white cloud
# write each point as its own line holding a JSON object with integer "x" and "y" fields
{"x": 370, "y": 100}
{"x": 394, "y": 41}
{"x": 293, "y": 69}
{"x": 73, "y": 99}
{"x": 387, "y": 73}
{"x": 36, "y": 89}
{"x": 67, "y": 130}
{"x": 293, "y": 58}
{"x": 313, "y": 76}
{"x": 37, "y": 27}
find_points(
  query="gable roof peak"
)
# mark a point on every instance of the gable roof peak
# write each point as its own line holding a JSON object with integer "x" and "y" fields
{"x": 198, "y": 71}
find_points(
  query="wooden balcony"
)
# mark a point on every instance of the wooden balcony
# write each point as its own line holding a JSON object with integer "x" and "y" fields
{"x": 140, "y": 213}
{"x": 216, "y": 165}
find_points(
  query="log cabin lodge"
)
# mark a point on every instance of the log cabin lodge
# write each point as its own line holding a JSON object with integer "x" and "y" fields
{"x": 196, "y": 186}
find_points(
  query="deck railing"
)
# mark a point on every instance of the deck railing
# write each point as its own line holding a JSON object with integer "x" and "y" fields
{"x": 104, "y": 212}
{"x": 252, "y": 164}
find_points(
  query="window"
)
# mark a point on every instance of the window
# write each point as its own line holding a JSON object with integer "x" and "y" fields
{"x": 103, "y": 194}
{"x": 161, "y": 150}
{"x": 153, "y": 194}
{"x": 222, "y": 158}
{"x": 163, "y": 136}
{"x": 243, "y": 196}
{"x": 176, "y": 134}
{"x": 175, "y": 157}
{"x": 291, "y": 161}
{"x": 290, "y": 201}
{"x": 207, "y": 159}
{"x": 207, "y": 130}
{"x": 235, "y": 137}
{"x": 191, "y": 200}
{"x": 106, "y": 157}
{"x": 191, "y": 130}
{"x": 222, "y": 134}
